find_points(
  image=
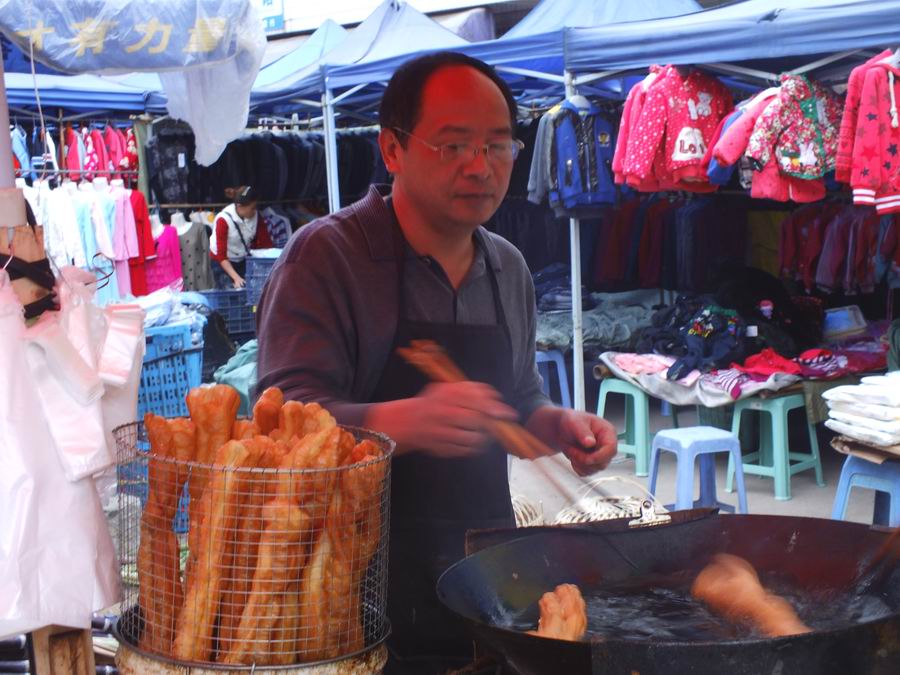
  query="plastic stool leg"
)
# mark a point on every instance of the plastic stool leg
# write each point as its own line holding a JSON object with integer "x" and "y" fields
{"x": 881, "y": 513}
{"x": 736, "y": 431}
{"x": 601, "y": 401}
{"x": 842, "y": 495}
{"x": 544, "y": 371}
{"x": 735, "y": 458}
{"x": 642, "y": 437}
{"x": 630, "y": 420}
{"x": 780, "y": 459}
{"x": 707, "y": 479}
{"x": 654, "y": 468}
{"x": 814, "y": 450}
{"x": 684, "y": 482}
{"x": 895, "y": 509}
{"x": 563, "y": 379}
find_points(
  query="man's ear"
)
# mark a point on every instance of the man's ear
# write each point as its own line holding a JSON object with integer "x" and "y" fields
{"x": 391, "y": 151}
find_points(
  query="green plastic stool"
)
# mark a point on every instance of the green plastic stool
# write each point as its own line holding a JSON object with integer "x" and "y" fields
{"x": 635, "y": 440}
{"x": 773, "y": 458}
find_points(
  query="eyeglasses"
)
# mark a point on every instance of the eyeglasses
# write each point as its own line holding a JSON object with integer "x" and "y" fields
{"x": 499, "y": 151}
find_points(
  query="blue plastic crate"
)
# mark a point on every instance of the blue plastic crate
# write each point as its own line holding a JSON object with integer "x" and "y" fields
{"x": 172, "y": 367}
{"x": 258, "y": 270}
{"x": 232, "y": 305}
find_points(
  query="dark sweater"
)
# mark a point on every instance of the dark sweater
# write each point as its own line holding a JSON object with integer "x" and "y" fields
{"x": 328, "y": 312}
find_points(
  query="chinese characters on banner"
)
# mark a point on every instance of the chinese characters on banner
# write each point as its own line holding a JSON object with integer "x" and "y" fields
{"x": 114, "y": 36}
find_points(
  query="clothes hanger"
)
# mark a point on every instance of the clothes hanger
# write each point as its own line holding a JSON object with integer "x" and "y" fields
{"x": 102, "y": 280}
{"x": 579, "y": 101}
{"x": 893, "y": 59}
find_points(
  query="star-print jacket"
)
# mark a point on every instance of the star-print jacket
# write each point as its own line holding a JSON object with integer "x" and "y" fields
{"x": 875, "y": 173}
{"x": 800, "y": 127}
{"x": 850, "y": 118}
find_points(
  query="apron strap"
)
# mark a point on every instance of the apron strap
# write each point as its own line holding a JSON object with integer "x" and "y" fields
{"x": 400, "y": 257}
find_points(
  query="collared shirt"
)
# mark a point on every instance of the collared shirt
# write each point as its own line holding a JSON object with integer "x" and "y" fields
{"x": 328, "y": 312}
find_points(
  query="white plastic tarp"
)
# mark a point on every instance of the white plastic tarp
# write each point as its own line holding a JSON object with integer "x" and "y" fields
{"x": 207, "y": 52}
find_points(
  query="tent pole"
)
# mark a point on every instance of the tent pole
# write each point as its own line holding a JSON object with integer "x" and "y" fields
{"x": 575, "y": 252}
{"x": 7, "y": 177}
{"x": 12, "y": 200}
{"x": 331, "y": 166}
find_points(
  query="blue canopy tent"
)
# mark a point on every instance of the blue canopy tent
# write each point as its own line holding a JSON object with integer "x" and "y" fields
{"x": 753, "y": 33}
{"x": 553, "y": 15}
{"x": 391, "y": 33}
{"x": 76, "y": 93}
{"x": 754, "y": 39}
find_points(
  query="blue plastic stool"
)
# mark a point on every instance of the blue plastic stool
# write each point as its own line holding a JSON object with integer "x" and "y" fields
{"x": 774, "y": 459}
{"x": 635, "y": 439}
{"x": 689, "y": 444}
{"x": 883, "y": 478}
{"x": 544, "y": 360}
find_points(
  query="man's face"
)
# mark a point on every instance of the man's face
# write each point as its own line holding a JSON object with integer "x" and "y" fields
{"x": 459, "y": 105}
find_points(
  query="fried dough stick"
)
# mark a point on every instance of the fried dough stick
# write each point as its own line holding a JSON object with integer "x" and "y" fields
{"x": 281, "y": 553}
{"x": 298, "y": 420}
{"x": 160, "y": 591}
{"x": 213, "y": 410}
{"x": 244, "y": 430}
{"x": 329, "y": 592}
{"x": 267, "y": 454}
{"x": 563, "y": 614}
{"x": 184, "y": 443}
{"x": 193, "y": 640}
{"x": 731, "y": 587}
{"x": 267, "y": 410}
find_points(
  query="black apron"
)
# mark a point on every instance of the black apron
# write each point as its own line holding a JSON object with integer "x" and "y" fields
{"x": 434, "y": 501}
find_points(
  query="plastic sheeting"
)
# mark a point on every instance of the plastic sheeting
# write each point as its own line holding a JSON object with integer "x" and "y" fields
{"x": 109, "y": 36}
{"x": 207, "y": 52}
{"x": 57, "y": 559}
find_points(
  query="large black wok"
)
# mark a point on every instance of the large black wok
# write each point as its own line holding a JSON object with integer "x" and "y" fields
{"x": 493, "y": 586}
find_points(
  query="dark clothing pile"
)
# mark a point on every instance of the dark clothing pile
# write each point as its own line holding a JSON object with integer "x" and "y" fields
{"x": 553, "y": 289}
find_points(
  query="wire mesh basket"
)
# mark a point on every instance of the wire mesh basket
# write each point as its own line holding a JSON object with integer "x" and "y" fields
{"x": 284, "y": 557}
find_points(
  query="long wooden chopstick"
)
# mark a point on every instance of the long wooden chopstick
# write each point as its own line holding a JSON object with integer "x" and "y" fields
{"x": 434, "y": 362}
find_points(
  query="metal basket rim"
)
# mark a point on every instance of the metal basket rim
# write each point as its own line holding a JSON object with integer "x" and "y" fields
{"x": 118, "y": 634}
{"x": 388, "y": 446}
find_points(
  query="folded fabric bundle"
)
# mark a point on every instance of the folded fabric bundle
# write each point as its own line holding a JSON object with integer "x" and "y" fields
{"x": 885, "y": 395}
{"x": 869, "y": 410}
{"x": 884, "y": 426}
{"x": 870, "y": 436}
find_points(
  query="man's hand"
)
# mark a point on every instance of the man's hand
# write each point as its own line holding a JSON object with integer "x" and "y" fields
{"x": 587, "y": 440}
{"x": 238, "y": 282}
{"x": 444, "y": 420}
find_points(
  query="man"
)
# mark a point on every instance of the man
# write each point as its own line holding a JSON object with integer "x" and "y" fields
{"x": 415, "y": 263}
